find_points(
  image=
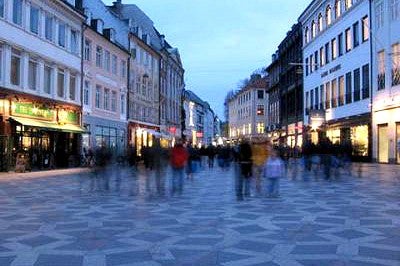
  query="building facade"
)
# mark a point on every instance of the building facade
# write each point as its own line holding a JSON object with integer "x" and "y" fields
{"x": 291, "y": 87}
{"x": 274, "y": 101}
{"x": 337, "y": 67}
{"x": 104, "y": 89}
{"x": 40, "y": 77}
{"x": 193, "y": 119}
{"x": 247, "y": 111}
{"x": 385, "y": 39}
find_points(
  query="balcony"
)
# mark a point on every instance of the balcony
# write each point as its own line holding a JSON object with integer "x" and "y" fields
{"x": 381, "y": 81}
{"x": 396, "y": 76}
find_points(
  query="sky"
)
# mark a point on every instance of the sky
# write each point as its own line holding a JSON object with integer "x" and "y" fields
{"x": 221, "y": 42}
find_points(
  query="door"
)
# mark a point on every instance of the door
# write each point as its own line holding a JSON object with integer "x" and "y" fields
{"x": 383, "y": 144}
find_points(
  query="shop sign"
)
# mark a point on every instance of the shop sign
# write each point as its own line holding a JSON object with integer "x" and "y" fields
{"x": 30, "y": 110}
{"x": 68, "y": 117}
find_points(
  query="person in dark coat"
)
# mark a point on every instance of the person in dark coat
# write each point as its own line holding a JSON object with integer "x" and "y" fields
{"x": 245, "y": 170}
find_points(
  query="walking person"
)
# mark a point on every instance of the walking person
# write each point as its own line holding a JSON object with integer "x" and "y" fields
{"x": 260, "y": 149}
{"x": 273, "y": 172}
{"x": 245, "y": 173}
{"x": 178, "y": 159}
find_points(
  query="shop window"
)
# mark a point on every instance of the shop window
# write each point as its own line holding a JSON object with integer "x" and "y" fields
{"x": 383, "y": 143}
{"x": 47, "y": 79}
{"x": 15, "y": 73}
{"x": 32, "y": 74}
{"x": 17, "y": 12}
{"x": 34, "y": 19}
{"x": 359, "y": 140}
{"x": 333, "y": 135}
{"x": 60, "y": 83}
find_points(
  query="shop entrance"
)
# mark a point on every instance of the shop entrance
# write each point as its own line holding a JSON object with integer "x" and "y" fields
{"x": 383, "y": 144}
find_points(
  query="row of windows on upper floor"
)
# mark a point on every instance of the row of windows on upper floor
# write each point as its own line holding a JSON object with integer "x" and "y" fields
{"x": 344, "y": 42}
{"x": 323, "y": 21}
{"x": 104, "y": 59}
{"x": 41, "y": 23}
{"x": 246, "y": 130}
{"x": 245, "y": 97}
{"x": 105, "y": 98}
{"x": 245, "y": 112}
{"x": 395, "y": 69}
{"x": 53, "y": 80}
{"x": 393, "y": 8}
{"x": 346, "y": 89}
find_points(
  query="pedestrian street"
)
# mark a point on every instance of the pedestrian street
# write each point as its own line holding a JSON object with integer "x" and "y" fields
{"x": 124, "y": 217}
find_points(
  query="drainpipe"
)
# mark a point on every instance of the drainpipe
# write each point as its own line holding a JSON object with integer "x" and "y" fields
{"x": 370, "y": 137}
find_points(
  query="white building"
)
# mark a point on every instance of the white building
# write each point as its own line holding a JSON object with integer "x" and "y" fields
{"x": 248, "y": 111}
{"x": 336, "y": 54}
{"x": 40, "y": 77}
{"x": 386, "y": 80}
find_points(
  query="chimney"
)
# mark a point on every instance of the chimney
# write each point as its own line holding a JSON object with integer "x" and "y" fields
{"x": 162, "y": 39}
{"x": 117, "y": 4}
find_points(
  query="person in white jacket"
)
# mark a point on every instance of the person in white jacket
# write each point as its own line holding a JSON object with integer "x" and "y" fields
{"x": 273, "y": 171}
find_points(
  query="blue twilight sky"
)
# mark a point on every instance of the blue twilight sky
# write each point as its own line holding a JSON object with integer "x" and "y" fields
{"x": 221, "y": 42}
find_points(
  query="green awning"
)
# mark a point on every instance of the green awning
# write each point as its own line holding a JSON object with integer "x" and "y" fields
{"x": 48, "y": 125}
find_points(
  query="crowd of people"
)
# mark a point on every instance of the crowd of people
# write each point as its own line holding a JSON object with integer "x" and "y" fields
{"x": 258, "y": 164}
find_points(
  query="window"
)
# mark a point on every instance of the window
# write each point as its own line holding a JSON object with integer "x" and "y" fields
{"x": 365, "y": 81}
{"x": 47, "y": 78}
{"x": 114, "y": 64}
{"x": 321, "y": 56}
{"x": 114, "y": 101}
{"x": 260, "y": 109}
{"x": 48, "y": 25}
{"x": 123, "y": 68}
{"x": 99, "y": 56}
{"x": 341, "y": 90}
{"x": 260, "y": 94}
{"x": 312, "y": 99}
{"x": 379, "y": 14}
{"x": 328, "y": 15}
{"x": 72, "y": 87}
{"x": 348, "y": 39}
{"x": 307, "y": 66}
{"x": 348, "y": 4}
{"x": 87, "y": 50}
{"x": 316, "y": 60}
{"x": 311, "y": 63}
{"x": 395, "y": 9}
{"x": 321, "y": 97}
{"x": 327, "y": 53}
{"x": 307, "y": 102}
{"x": 356, "y": 80}
{"x": 381, "y": 70}
{"x": 348, "y": 88}
{"x": 32, "y": 74}
{"x": 107, "y": 60}
{"x": 34, "y": 20}
{"x": 86, "y": 93}
{"x": 334, "y": 49}
{"x": 122, "y": 104}
{"x": 106, "y": 99}
{"x": 365, "y": 29}
{"x": 320, "y": 23}
{"x": 313, "y": 29}
{"x": 260, "y": 128}
{"x": 60, "y": 83}
{"x": 98, "y": 95}
{"x": 340, "y": 44}
{"x": 74, "y": 41}
{"x": 316, "y": 98}
{"x": 61, "y": 34}
{"x": 334, "y": 93}
{"x": 396, "y": 64}
{"x": 356, "y": 34}
{"x": 2, "y": 8}
{"x": 17, "y": 12}
{"x": 306, "y": 35}
{"x": 327, "y": 95}
{"x": 15, "y": 73}
{"x": 338, "y": 8}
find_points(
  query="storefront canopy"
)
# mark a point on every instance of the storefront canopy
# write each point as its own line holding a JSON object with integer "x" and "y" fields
{"x": 48, "y": 125}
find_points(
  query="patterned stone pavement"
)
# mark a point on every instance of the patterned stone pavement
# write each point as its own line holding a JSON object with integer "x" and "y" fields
{"x": 70, "y": 219}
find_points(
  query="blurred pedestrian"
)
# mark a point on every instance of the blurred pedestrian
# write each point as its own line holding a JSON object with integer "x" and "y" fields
{"x": 245, "y": 173}
{"x": 260, "y": 149}
{"x": 273, "y": 172}
{"x": 178, "y": 159}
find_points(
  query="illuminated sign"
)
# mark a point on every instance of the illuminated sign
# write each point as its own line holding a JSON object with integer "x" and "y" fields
{"x": 32, "y": 111}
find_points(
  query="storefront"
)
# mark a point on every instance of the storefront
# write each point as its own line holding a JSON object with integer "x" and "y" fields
{"x": 142, "y": 135}
{"x": 47, "y": 133}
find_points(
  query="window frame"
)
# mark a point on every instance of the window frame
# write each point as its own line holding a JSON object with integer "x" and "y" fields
{"x": 72, "y": 85}
{"x": 18, "y": 78}
{"x": 17, "y": 18}
{"x": 37, "y": 28}
{"x": 47, "y": 81}
{"x": 33, "y": 76}
{"x": 62, "y": 38}
{"x": 60, "y": 91}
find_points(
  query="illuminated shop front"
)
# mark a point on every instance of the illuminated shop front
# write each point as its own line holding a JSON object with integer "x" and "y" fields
{"x": 48, "y": 133}
{"x": 141, "y": 135}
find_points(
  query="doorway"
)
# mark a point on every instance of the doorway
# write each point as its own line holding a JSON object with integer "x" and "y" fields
{"x": 383, "y": 144}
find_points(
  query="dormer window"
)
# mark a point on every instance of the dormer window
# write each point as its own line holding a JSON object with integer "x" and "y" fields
{"x": 306, "y": 34}
{"x": 338, "y": 8}
{"x": 320, "y": 23}
{"x": 313, "y": 29}
{"x": 348, "y": 4}
{"x": 328, "y": 15}
{"x": 98, "y": 25}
